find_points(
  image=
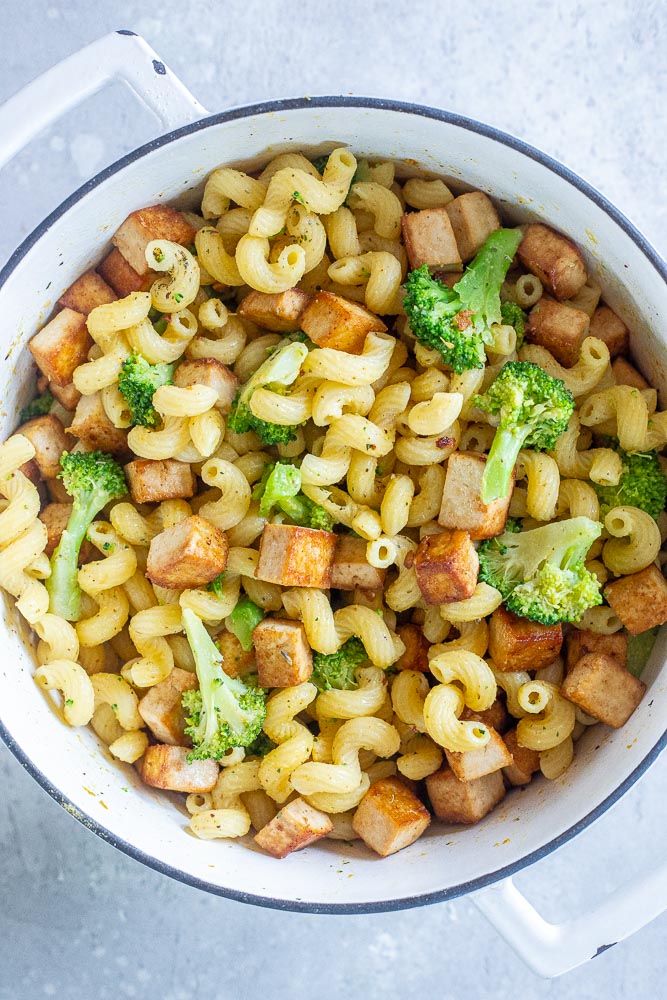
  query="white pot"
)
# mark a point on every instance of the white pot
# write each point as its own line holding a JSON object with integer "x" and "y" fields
{"x": 71, "y": 765}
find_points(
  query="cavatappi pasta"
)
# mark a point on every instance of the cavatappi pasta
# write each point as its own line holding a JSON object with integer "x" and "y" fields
{"x": 305, "y": 476}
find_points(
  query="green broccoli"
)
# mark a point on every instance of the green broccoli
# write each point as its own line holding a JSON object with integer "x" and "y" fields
{"x": 279, "y": 370}
{"x": 640, "y": 648}
{"x": 320, "y": 163}
{"x": 457, "y": 321}
{"x": 261, "y": 746}
{"x": 92, "y": 479}
{"x": 38, "y": 407}
{"x": 541, "y": 573}
{"x": 513, "y": 315}
{"x": 214, "y": 586}
{"x": 242, "y": 621}
{"x": 642, "y": 484}
{"x": 137, "y": 381}
{"x": 534, "y": 410}
{"x": 224, "y": 712}
{"x": 336, "y": 670}
{"x": 280, "y": 486}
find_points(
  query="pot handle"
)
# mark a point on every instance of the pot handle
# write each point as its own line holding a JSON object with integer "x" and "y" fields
{"x": 552, "y": 949}
{"x": 120, "y": 55}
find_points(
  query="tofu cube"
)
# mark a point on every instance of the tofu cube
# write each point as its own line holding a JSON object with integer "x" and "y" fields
{"x": 30, "y": 470}
{"x": 559, "y": 328}
{"x": 55, "y": 516}
{"x": 455, "y": 801}
{"x": 390, "y": 817}
{"x": 93, "y": 426}
{"x": 120, "y": 275}
{"x": 473, "y": 217}
{"x": 520, "y": 644}
{"x": 462, "y": 505}
{"x": 600, "y": 686}
{"x": 607, "y": 326}
{"x": 294, "y": 827}
{"x": 416, "y": 645}
{"x": 579, "y": 642}
{"x": 235, "y": 660}
{"x": 473, "y": 764}
{"x": 627, "y": 374}
{"x": 282, "y": 653}
{"x": 57, "y": 492}
{"x": 639, "y": 600}
{"x": 554, "y": 259}
{"x": 446, "y": 565}
{"x": 152, "y": 481}
{"x": 189, "y": 554}
{"x": 67, "y": 395}
{"x": 495, "y": 717}
{"x": 351, "y": 570}
{"x": 212, "y": 373}
{"x": 158, "y": 222}
{"x": 280, "y": 312}
{"x": 87, "y": 292}
{"x": 164, "y": 766}
{"x": 49, "y": 439}
{"x": 332, "y": 321}
{"x": 61, "y": 346}
{"x": 525, "y": 762}
{"x": 161, "y": 708}
{"x": 429, "y": 239}
{"x": 296, "y": 557}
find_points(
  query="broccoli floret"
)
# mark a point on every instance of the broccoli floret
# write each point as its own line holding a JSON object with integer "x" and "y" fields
{"x": 280, "y": 486}
{"x": 642, "y": 484}
{"x": 640, "y": 648}
{"x": 457, "y": 321}
{"x": 279, "y": 370}
{"x": 320, "y": 163}
{"x": 243, "y": 619}
{"x": 214, "y": 586}
{"x": 261, "y": 746}
{"x": 224, "y": 712}
{"x": 39, "y": 407}
{"x": 534, "y": 410}
{"x": 513, "y": 315}
{"x": 137, "y": 381}
{"x": 541, "y": 573}
{"x": 92, "y": 479}
{"x": 336, "y": 670}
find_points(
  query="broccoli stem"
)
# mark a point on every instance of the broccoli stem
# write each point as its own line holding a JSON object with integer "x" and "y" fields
{"x": 63, "y": 584}
{"x": 208, "y": 660}
{"x": 502, "y": 458}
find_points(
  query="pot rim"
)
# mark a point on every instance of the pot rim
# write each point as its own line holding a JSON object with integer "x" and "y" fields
{"x": 272, "y": 107}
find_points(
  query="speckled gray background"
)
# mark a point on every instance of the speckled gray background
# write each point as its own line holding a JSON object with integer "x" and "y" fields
{"x": 588, "y": 84}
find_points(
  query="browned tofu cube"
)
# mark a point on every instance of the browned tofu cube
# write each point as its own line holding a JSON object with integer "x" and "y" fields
{"x": 120, "y": 275}
{"x": 520, "y": 644}
{"x": 57, "y": 492}
{"x": 525, "y": 762}
{"x": 30, "y": 470}
{"x": 495, "y": 717}
{"x": 61, "y": 346}
{"x": 351, "y": 570}
{"x": 332, "y": 321}
{"x": 462, "y": 505}
{"x": 164, "y": 766}
{"x": 446, "y": 565}
{"x": 161, "y": 708}
{"x": 159, "y": 222}
{"x": 554, "y": 259}
{"x": 455, "y": 801}
{"x": 280, "y": 312}
{"x": 579, "y": 642}
{"x": 282, "y": 653}
{"x": 67, "y": 395}
{"x": 559, "y": 328}
{"x": 93, "y": 426}
{"x": 473, "y": 764}
{"x": 296, "y": 557}
{"x": 152, "y": 481}
{"x": 235, "y": 660}
{"x": 212, "y": 373}
{"x": 600, "y": 686}
{"x": 87, "y": 292}
{"x": 296, "y": 826}
{"x": 639, "y": 600}
{"x": 390, "y": 817}
{"x": 429, "y": 239}
{"x": 55, "y": 516}
{"x": 49, "y": 439}
{"x": 473, "y": 217}
{"x": 189, "y": 554}
{"x": 627, "y": 374}
{"x": 416, "y": 645}
{"x": 607, "y": 326}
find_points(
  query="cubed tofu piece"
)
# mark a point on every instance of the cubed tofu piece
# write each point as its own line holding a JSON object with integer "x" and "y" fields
{"x": 212, "y": 373}
{"x": 282, "y": 653}
{"x": 351, "y": 569}
{"x": 446, "y": 565}
{"x": 61, "y": 346}
{"x": 639, "y": 600}
{"x": 473, "y": 764}
{"x": 462, "y": 505}
{"x": 559, "y": 328}
{"x": 120, "y": 275}
{"x": 87, "y": 292}
{"x": 627, "y": 374}
{"x": 49, "y": 439}
{"x": 165, "y": 766}
{"x": 296, "y": 557}
{"x": 520, "y": 644}
{"x": 161, "y": 707}
{"x": 189, "y": 554}
{"x": 93, "y": 426}
{"x": 579, "y": 642}
{"x": 429, "y": 239}
{"x": 55, "y": 516}
{"x": 525, "y": 762}
{"x": 455, "y": 801}
{"x": 294, "y": 827}
{"x": 30, "y": 470}
{"x": 390, "y": 817}
{"x": 57, "y": 492}
{"x": 332, "y": 321}
{"x": 554, "y": 259}
{"x": 235, "y": 660}
{"x": 495, "y": 717}
{"x": 473, "y": 217}
{"x": 280, "y": 312}
{"x": 67, "y": 395}
{"x": 159, "y": 222}
{"x": 600, "y": 686}
{"x": 152, "y": 481}
{"x": 607, "y": 326}
{"x": 416, "y": 645}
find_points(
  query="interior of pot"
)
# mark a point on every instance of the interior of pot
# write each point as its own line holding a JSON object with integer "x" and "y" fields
{"x": 109, "y": 797}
